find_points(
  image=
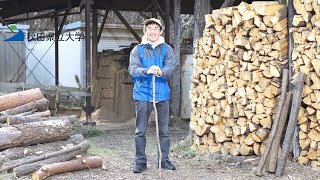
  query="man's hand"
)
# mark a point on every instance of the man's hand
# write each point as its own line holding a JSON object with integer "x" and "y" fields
{"x": 154, "y": 70}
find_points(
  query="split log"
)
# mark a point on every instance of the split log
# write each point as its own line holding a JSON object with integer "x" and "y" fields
{"x": 34, "y": 133}
{"x": 21, "y": 152}
{"x": 68, "y": 166}
{"x": 297, "y": 94}
{"x": 23, "y": 119}
{"x": 236, "y": 77}
{"x": 16, "y": 99}
{"x": 46, "y": 113}
{"x": 273, "y": 156}
{"x": 274, "y": 128}
{"x": 32, "y": 167}
{"x": 39, "y": 105}
{"x": 19, "y": 162}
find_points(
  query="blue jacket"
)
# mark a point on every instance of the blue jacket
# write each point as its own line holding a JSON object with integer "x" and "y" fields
{"x": 142, "y": 57}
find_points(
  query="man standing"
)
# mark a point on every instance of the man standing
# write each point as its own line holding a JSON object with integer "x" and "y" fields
{"x": 152, "y": 57}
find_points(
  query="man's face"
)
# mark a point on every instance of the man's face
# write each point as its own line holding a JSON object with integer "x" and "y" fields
{"x": 153, "y": 32}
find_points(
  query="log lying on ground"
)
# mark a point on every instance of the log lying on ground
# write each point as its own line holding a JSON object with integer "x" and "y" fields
{"x": 40, "y": 105}
{"x": 21, "y": 152}
{"x": 34, "y": 133}
{"x": 15, "y": 163}
{"x": 32, "y": 167}
{"x": 46, "y": 113}
{"x": 287, "y": 142}
{"x": 13, "y": 100}
{"x": 4, "y": 118}
{"x": 68, "y": 166}
{"x": 23, "y": 119}
{"x": 274, "y": 129}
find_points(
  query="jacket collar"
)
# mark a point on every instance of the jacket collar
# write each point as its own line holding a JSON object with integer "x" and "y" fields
{"x": 144, "y": 40}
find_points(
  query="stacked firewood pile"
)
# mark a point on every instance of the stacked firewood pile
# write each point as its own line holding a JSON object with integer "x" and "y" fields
{"x": 306, "y": 58}
{"x": 31, "y": 140}
{"x": 236, "y": 78}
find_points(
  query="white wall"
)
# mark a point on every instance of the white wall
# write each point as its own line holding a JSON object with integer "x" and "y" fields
{"x": 69, "y": 62}
{"x": 72, "y": 53}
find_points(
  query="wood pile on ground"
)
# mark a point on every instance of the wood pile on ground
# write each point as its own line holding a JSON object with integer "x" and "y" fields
{"x": 237, "y": 77}
{"x": 306, "y": 58}
{"x": 32, "y": 139}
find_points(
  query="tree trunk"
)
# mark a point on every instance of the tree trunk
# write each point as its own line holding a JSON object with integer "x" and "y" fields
{"x": 46, "y": 113}
{"x": 39, "y": 105}
{"x": 23, "y": 119}
{"x": 273, "y": 156}
{"x": 13, "y": 100}
{"x": 68, "y": 166}
{"x": 21, "y": 152}
{"x": 34, "y": 133}
{"x": 274, "y": 129}
{"x": 19, "y": 162}
{"x": 297, "y": 93}
{"x": 3, "y": 119}
{"x": 32, "y": 167}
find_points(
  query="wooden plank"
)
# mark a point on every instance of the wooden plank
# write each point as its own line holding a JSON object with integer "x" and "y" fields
{"x": 273, "y": 156}
{"x": 176, "y": 89}
{"x": 274, "y": 128}
{"x": 297, "y": 94}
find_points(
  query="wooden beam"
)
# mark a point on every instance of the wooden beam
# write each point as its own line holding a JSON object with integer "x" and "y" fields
{"x": 227, "y": 3}
{"x": 201, "y": 7}
{"x": 296, "y": 98}
{"x": 63, "y": 21}
{"x": 102, "y": 24}
{"x": 274, "y": 129}
{"x": 94, "y": 43}
{"x": 134, "y": 33}
{"x": 291, "y": 14}
{"x": 167, "y": 21}
{"x": 176, "y": 93}
{"x": 161, "y": 13}
{"x": 88, "y": 4}
{"x": 144, "y": 15}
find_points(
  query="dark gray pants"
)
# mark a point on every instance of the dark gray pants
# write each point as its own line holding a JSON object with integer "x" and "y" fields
{"x": 143, "y": 111}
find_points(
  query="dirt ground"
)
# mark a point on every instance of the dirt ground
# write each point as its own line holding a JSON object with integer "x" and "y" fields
{"x": 116, "y": 147}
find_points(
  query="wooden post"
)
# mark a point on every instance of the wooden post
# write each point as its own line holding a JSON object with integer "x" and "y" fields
{"x": 271, "y": 164}
{"x": 94, "y": 43}
{"x": 167, "y": 21}
{"x": 291, "y": 13}
{"x": 276, "y": 119}
{"x": 201, "y": 7}
{"x": 297, "y": 94}
{"x": 227, "y": 3}
{"x": 176, "y": 75}
{"x": 88, "y": 4}
{"x": 102, "y": 24}
{"x": 134, "y": 33}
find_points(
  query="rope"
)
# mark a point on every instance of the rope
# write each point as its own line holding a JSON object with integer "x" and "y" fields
{"x": 157, "y": 123}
